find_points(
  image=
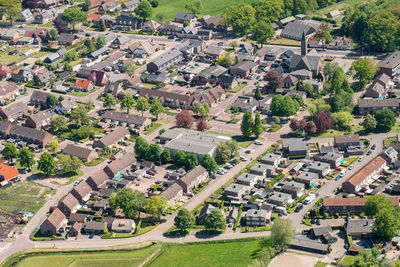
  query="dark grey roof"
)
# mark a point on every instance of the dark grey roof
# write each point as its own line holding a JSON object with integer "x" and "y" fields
{"x": 366, "y": 103}
{"x": 123, "y": 117}
{"x": 166, "y": 57}
{"x": 77, "y": 151}
{"x": 244, "y": 65}
{"x": 27, "y": 132}
{"x": 391, "y": 61}
{"x": 184, "y": 16}
{"x": 98, "y": 52}
{"x": 13, "y": 108}
{"x": 39, "y": 96}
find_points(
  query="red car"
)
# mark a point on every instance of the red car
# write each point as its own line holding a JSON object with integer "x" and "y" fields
{"x": 338, "y": 169}
{"x": 112, "y": 158}
{"x": 151, "y": 172}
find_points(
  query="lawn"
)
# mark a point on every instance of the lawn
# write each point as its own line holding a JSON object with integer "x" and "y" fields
{"x": 8, "y": 59}
{"x": 321, "y": 264}
{"x": 347, "y": 261}
{"x": 210, "y": 7}
{"x": 24, "y": 196}
{"x": 396, "y": 128}
{"x": 339, "y": 5}
{"x": 238, "y": 88}
{"x": 389, "y": 140}
{"x": 151, "y": 128}
{"x": 80, "y": 94}
{"x": 72, "y": 177}
{"x": 284, "y": 41}
{"x": 329, "y": 134}
{"x": 243, "y": 141}
{"x": 231, "y": 253}
{"x": 348, "y": 161}
{"x": 95, "y": 259}
{"x": 39, "y": 54}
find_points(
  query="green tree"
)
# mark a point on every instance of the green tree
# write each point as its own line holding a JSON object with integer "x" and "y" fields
{"x": 191, "y": 161}
{"x": 47, "y": 164}
{"x": 26, "y": 158}
{"x": 342, "y": 120}
{"x": 282, "y": 233}
{"x": 257, "y": 94}
{"x": 180, "y": 157}
{"x": 144, "y": 10}
{"x": 10, "y": 8}
{"x": 9, "y": 152}
{"x": 247, "y": 124}
{"x": 90, "y": 46}
{"x": 100, "y": 41}
{"x": 131, "y": 202}
{"x": 86, "y": 5}
{"x": 156, "y": 107}
{"x": 225, "y": 61}
{"x": 71, "y": 56}
{"x": 283, "y": 106}
{"x": 209, "y": 163}
{"x": 364, "y": 69}
{"x": 369, "y": 123}
{"x": 317, "y": 106}
{"x": 323, "y": 34}
{"x": 371, "y": 258}
{"x": 58, "y": 123}
{"x": 215, "y": 221}
{"x": 387, "y": 223}
{"x": 54, "y": 146}
{"x": 73, "y": 16}
{"x": 343, "y": 101}
{"x": 155, "y": 206}
{"x": 161, "y": 17}
{"x": 68, "y": 164}
{"x": 153, "y": 153}
{"x": 142, "y": 104}
{"x": 257, "y": 126}
{"x": 184, "y": 220}
{"x": 127, "y": 102}
{"x": 241, "y": 17}
{"x": 233, "y": 147}
{"x": 141, "y": 147}
{"x": 109, "y": 101}
{"x": 269, "y": 9}
{"x": 53, "y": 33}
{"x": 67, "y": 67}
{"x": 194, "y": 7}
{"x": 262, "y": 31}
{"x": 102, "y": 26}
{"x": 130, "y": 68}
{"x": 375, "y": 203}
{"x": 51, "y": 101}
{"x": 385, "y": 119}
{"x": 329, "y": 69}
{"x": 166, "y": 155}
{"x": 79, "y": 116}
{"x": 223, "y": 153}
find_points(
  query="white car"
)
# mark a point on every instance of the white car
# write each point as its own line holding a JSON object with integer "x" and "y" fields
{"x": 351, "y": 167}
{"x": 243, "y": 158}
{"x": 361, "y": 158}
{"x": 258, "y": 142}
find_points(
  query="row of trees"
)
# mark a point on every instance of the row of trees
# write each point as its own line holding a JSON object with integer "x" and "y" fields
{"x": 185, "y": 119}
{"x": 248, "y": 127}
{"x": 184, "y": 220}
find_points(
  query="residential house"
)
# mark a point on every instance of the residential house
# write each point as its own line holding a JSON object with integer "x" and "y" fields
{"x": 379, "y": 87}
{"x": 229, "y": 82}
{"x": 294, "y": 147}
{"x": 342, "y": 142}
{"x": 130, "y": 5}
{"x": 181, "y": 17}
{"x": 127, "y": 22}
{"x": 212, "y": 53}
{"x": 94, "y": 227}
{"x": 164, "y": 61}
{"x": 8, "y": 174}
{"x": 279, "y": 199}
{"x": 81, "y": 192}
{"x": 111, "y": 138}
{"x": 25, "y": 15}
{"x": 295, "y": 189}
{"x": 351, "y": 205}
{"x": 33, "y": 136}
{"x": 39, "y": 120}
{"x": 243, "y": 68}
{"x": 82, "y": 85}
{"x": 75, "y": 230}
{"x": 213, "y": 23}
{"x": 137, "y": 122}
{"x": 121, "y": 42}
{"x": 13, "y": 111}
{"x": 43, "y": 78}
{"x": 120, "y": 165}
{"x": 131, "y": 82}
{"x": 204, "y": 212}
{"x": 294, "y": 30}
{"x": 68, "y": 204}
{"x": 46, "y": 16}
{"x": 257, "y": 218}
{"x": 193, "y": 179}
{"x": 52, "y": 58}
{"x": 97, "y": 179}
{"x": 65, "y": 106}
{"x": 236, "y": 191}
{"x": 360, "y": 228}
{"x": 308, "y": 245}
{"x": 108, "y": 7}
{"x": 123, "y": 226}
{"x": 142, "y": 49}
{"x": 53, "y": 223}
{"x": 308, "y": 178}
{"x": 263, "y": 170}
{"x": 173, "y": 194}
{"x": 39, "y": 98}
{"x": 99, "y": 78}
{"x": 65, "y": 39}
{"x": 370, "y": 106}
{"x": 169, "y": 29}
{"x": 82, "y": 153}
{"x": 150, "y": 26}
{"x": 390, "y": 65}
{"x": 248, "y": 179}
{"x": 365, "y": 176}
{"x": 271, "y": 159}
{"x": 320, "y": 168}
{"x": 8, "y": 91}
{"x": 21, "y": 75}
{"x": 332, "y": 158}
{"x": 334, "y": 14}
{"x": 390, "y": 154}
{"x": 232, "y": 216}
{"x": 99, "y": 53}
{"x": 78, "y": 217}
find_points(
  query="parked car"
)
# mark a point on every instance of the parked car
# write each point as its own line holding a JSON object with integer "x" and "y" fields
{"x": 337, "y": 178}
{"x": 258, "y": 142}
{"x": 243, "y": 158}
{"x": 228, "y": 166}
{"x": 351, "y": 167}
{"x": 338, "y": 169}
{"x": 151, "y": 172}
{"x": 373, "y": 147}
{"x": 361, "y": 158}
{"x": 220, "y": 43}
{"x": 369, "y": 152}
{"x": 299, "y": 208}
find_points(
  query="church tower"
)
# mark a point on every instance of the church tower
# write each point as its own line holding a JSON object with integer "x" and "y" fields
{"x": 304, "y": 44}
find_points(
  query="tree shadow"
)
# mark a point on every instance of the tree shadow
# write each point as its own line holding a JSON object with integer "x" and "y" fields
{"x": 204, "y": 234}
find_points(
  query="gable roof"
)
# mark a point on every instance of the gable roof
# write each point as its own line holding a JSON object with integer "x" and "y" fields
{"x": 364, "y": 172}
{"x": 123, "y": 117}
{"x": 184, "y": 16}
{"x": 193, "y": 174}
{"x": 77, "y": 151}
{"x": 7, "y": 172}
{"x": 56, "y": 217}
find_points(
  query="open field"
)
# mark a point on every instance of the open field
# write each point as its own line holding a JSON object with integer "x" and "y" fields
{"x": 339, "y": 5}
{"x": 24, "y": 196}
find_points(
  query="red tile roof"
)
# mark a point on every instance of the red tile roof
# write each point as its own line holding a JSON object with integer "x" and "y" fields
{"x": 82, "y": 83}
{"x": 338, "y": 201}
{"x": 363, "y": 173}
{"x": 7, "y": 172}
{"x": 92, "y": 17}
{"x": 4, "y": 68}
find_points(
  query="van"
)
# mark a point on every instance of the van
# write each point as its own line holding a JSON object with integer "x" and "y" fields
{"x": 281, "y": 211}
{"x": 309, "y": 199}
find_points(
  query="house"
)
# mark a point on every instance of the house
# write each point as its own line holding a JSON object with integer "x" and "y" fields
{"x": 279, "y": 199}
{"x": 82, "y": 85}
{"x": 294, "y": 147}
{"x": 263, "y": 170}
{"x": 390, "y": 65}
{"x": 65, "y": 39}
{"x": 94, "y": 227}
{"x": 236, "y": 191}
{"x": 320, "y": 168}
{"x": 193, "y": 179}
{"x": 169, "y": 29}
{"x": 123, "y": 226}
{"x": 53, "y": 223}
{"x": 370, "y": 106}
{"x": 112, "y": 88}
{"x": 173, "y": 194}
{"x": 137, "y": 122}
{"x": 7, "y": 173}
{"x": 97, "y": 179}
{"x": 65, "y": 106}
{"x": 342, "y": 142}
{"x": 22, "y": 133}
{"x": 55, "y": 56}
{"x": 257, "y": 218}
{"x": 40, "y": 119}
{"x": 111, "y": 138}
{"x": 127, "y": 22}
{"x": 229, "y": 82}
{"x": 75, "y": 229}
{"x": 243, "y": 68}
{"x": 82, "y": 153}
{"x": 164, "y": 61}
{"x": 351, "y": 205}
{"x": 142, "y": 49}
{"x": 214, "y": 52}
{"x": 99, "y": 78}
{"x": 360, "y": 228}
{"x": 130, "y": 5}
{"x": 78, "y": 217}
{"x": 308, "y": 178}
{"x": 379, "y": 87}
{"x": 248, "y": 179}
{"x": 21, "y": 75}
{"x": 5, "y": 71}
{"x": 365, "y": 176}
{"x": 150, "y": 26}
{"x": 99, "y": 53}
{"x": 334, "y": 14}
{"x": 232, "y": 216}
{"x": 39, "y": 98}
{"x": 181, "y": 17}
{"x": 294, "y": 30}
{"x": 25, "y": 15}
{"x": 68, "y": 204}
{"x": 121, "y": 41}
{"x": 81, "y": 192}
{"x": 332, "y": 158}
{"x": 120, "y": 165}
{"x": 207, "y": 208}
{"x": 271, "y": 159}
{"x": 390, "y": 154}
{"x": 8, "y": 90}
{"x": 46, "y": 16}
{"x": 13, "y": 111}
{"x": 108, "y": 7}
{"x": 295, "y": 189}
{"x": 132, "y": 82}
{"x": 9, "y": 35}
{"x": 213, "y": 23}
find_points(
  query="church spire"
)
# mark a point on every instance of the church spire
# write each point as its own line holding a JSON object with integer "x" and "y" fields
{"x": 304, "y": 44}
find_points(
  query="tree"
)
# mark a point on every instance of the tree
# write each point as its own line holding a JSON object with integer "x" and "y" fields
{"x": 191, "y": 161}
{"x": 294, "y": 124}
{"x": 67, "y": 67}
{"x": 166, "y": 155}
{"x": 234, "y": 45}
{"x": 130, "y": 68}
{"x": 109, "y": 101}
{"x": 201, "y": 124}
{"x": 58, "y": 123}
{"x": 274, "y": 79}
{"x": 194, "y": 7}
{"x": 26, "y": 158}
{"x": 215, "y": 221}
{"x": 71, "y": 56}
{"x": 385, "y": 119}
{"x": 342, "y": 101}
{"x": 73, "y": 16}
{"x": 47, "y": 164}
{"x": 141, "y": 147}
{"x": 86, "y": 5}
{"x": 364, "y": 69}
{"x": 317, "y": 106}
{"x": 282, "y": 233}
{"x": 68, "y": 164}
{"x": 241, "y": 17}
{"x": 376, "y": 203}
{"x": 209, "y": 163}
{"x": 323, "y": 34}
{"x": 79, "y": 116}
{"x": 102, "y": 26}
{"x": 225, "y": 61}
{"x": 90, "y": 46}
{"x": 153, "y": 153}
{"x": 127, "y": 102}
{"x": 223, "y": 153}
{"x": 144, "y": 10}
{"x": 130, "y": 201}
{"x": 156, "y": 206}
{"x": 387, "y": 223}
{"x": 180, "y": 157}
{"x": 196, "y": 107}
{"x": 329, "y": 69}
{"x": 206, "y": 110}
{"x": 156, "y": 107}
{"x": 310, "y": 128}
{"x": 262, "y": 31}
{"x": 247, "y": 124}
{"x": 184, "y": 220}
{"x": 283, "y": 106}
{"x": 269, "y": 9}
{"x": 9, "y": 152}
{"x": 54, "y": 146}
{"x": 161, "y": 17}
{"x": 369, "y": 123}
{"x": 257, "y": 126}
{"x": 100, "y": 41}
{"x": 257, "y": 94}
{"x": 154, "y": 3}
{"x": 233, "y": 147}
{"x": 11, "y": 8}
{"x": 51, "y": 101}
{"x": 142, "y": 104}
{"x": 184, "y": 119}
{"x": 53, "y": 34}
{"x": 323, "y": 121}
{"x": 342, "y": 120}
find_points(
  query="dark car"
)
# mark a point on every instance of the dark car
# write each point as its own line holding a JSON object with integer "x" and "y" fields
{"x": 373, "y": 147}
{"x": 299, "y": 208}
{"x": 318, "y": 222}
{"x": 171, "y": 37}
{"x": 369, "y": 152}
{"x": 91, "y": 236}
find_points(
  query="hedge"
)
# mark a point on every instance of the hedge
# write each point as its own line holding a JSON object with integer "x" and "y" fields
{"x": 238, "y": 217}
{"x": 276, "y": 179}
{"x": 59, "y": 91}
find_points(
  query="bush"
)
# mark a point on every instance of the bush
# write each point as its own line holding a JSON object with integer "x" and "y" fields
{"x": 350, "y": 240}
{"x": 307, "y": 222}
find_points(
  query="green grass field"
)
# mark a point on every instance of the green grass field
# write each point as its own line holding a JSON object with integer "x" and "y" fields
{"x": 210, "y": 7}
{"x": 235, "y": 253}
{"x": 96, "y": 259}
